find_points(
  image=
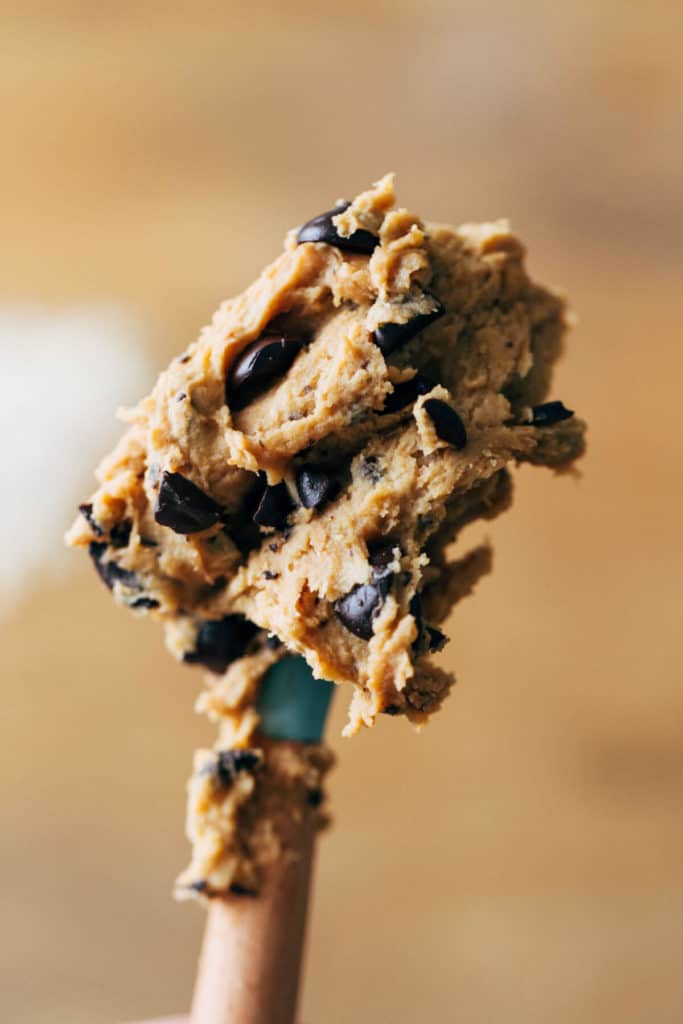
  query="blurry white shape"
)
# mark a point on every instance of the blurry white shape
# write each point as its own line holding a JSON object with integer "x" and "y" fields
{"x": 63, "y": 374}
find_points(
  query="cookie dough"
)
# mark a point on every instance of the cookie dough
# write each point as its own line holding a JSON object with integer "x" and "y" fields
{"x": 240, "y": 805}
{"x": 298, "y": 475}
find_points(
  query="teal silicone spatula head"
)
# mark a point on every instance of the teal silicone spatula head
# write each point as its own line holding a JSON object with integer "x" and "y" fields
{"x": 292, "y": 703}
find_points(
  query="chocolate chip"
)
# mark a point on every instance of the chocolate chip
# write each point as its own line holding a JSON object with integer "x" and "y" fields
{"x": 321, "y": 229}
{"x": 183, "y": 507}
{"x": 231, "y": 762}
{"x": 549, "y": 413}
{"x": 274, "y": 547}
{"x": 371, "y": 469}
{"x": 407, "y": 392}
{"x": 144, "y": 602}
{"x": 447, "y": 423}
{"x": 428, "y": 639}
{"x": 380, "y": 558}
{"x": 200, "y": 886}
{"x": 315, "y": 487}
{"x": 258, "y": 366}
{"x": 315, "y": 797}
{"x": 242, "y": 890}
{"x": 415, "y": 609}
{"x": 86, "y": 512}
{"x": 273, "y": 642}
{"x": 274, "y": 506}
{"x": 119, "y": 535}
{"x": 392, "y": 709}
{"x": 357, "y": 609}
{"x": 109, "y": 572}
{"x": 221, "y": 642}
{"x": 437, "y": 639}
{"x": 147, "y": 542}
{"x": 390, "y": 336}
{"x": 268, "y": 575}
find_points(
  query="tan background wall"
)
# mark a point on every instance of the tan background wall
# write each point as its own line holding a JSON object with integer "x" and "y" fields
{"x": 521, "y": 860}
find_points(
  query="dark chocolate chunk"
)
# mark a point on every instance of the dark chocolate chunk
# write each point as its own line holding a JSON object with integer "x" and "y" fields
{"x": 371, "y": 468}
{"x": 407, "y": 392}
{"x": 183, "y": 507}
{"x": 380, "y": 558}
{"x": 321, "y": 229}
{"x": 230, "y": 762}
{"x": 428, "y": 639}
{"x": 258, "y": 366}
{"x": 110, "y": 572}
{"x": 415, "y": 609}
{"x": 447, "y": 423}
{"x": 390, "y": 336}
{"x": 437, "y": 639}
{"x": 315, "y": 797}
{"x": 147, "y": 542}
{"x": 273, "y": 642}
{"x": 119, "y": 535}
{"x": 242, "y": 890}
{"x": 200, "y": 886}
{"x": 144, "y": 602}
{"x": 220, "y": 642}
{"x": 315, "y": 487}
{"x": 274, "y": 506}
{"x": 549, "y": 413}
{"x": 86, "y": 512}
{"x": 357, "y": 609}
{"x": 392, "y": 709}
{"x": 268, "y": 575}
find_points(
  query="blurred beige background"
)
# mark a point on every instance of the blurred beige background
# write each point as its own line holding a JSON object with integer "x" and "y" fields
{"x": 522, "y": 859}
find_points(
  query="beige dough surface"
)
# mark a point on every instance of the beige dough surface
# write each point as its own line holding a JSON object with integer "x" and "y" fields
{"x": 310, "y": 506}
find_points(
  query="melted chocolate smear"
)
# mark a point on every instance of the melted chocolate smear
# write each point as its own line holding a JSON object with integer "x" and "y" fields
{"x": 221, "y": 642}
{"x": 447, "y": 423}
{"x": 321, "y": 229}
{"x": 109, "y": 572}
{"x": 231, "y": 762}
{"x": 86, "y": 512}
{"x": 357, "y": 610}
{"x": 315, "y": 487}
{"x": 388, "y": 337}
{"x": 183, "y": 507}
{"x": 407, "y": 392}
{"x": 274, "y": 506}
{"x": 258, "y": 366}
{"x": 549, "y": 413}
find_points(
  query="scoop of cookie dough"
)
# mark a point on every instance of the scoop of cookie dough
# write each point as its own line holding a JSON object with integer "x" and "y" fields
{"x": 301, "y": 471}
